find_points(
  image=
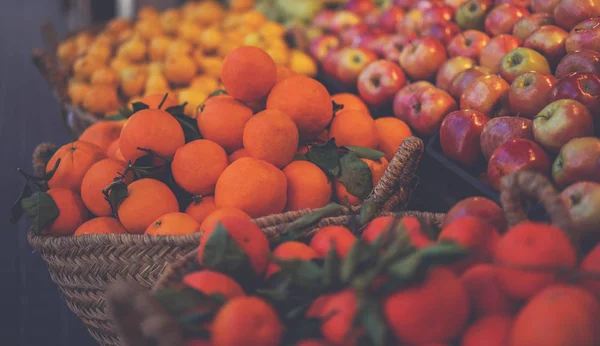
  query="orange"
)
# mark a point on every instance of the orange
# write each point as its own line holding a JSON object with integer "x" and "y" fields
{"x": 491, "y": 330}
{"x": 340, "y": 236}
{"x": 154, "y": 100}
{"x": 254, "y": 186}
{"x": 100, "y": 225}
{"x": 111, "y": 151}
{"x": 412, "y": 226}
{"x": 72, "y": 212}
{"x": 351, "y": 127}
{"x": 484, "y": 290}
{"x": 98, "y": 177}
{"x": 210, "y": 282}
{"x": 175, "y": 223}
{"x": 532, "y": 244}
{"x": 248, "y": 73}
{"x": 200, "y": 208}
{"x": 101, "y": 99}
{"x": 283, "y": 73}
{"x": 238, "y": 154}
{"x": 435, "y": 310}
{"x": 350, "y": 101}
{"x": 180, "y": 69}
{"x": 558, "y": 316}
{"x": 271, "y": 136}
{"x": 212, "y": 219}
{"x": 339, "y": 328}
{"x": 377, "y": 171}
{"x": 291, "y": 250}
{"x": 246, "y": 321}
{"x": 75, "y": 160}
{"x": 474, "y": 234}
{"x": 106, "y": 76}
{"x": 102, "y": 133}
{"x": 197, "y": 165}
{"x": 223, "y": 120}
{"x": 591, "y": 263}
{"x": 307, "y": 186}
{"x": 391, "y": 132}
{"x": 147, "y": 200}
{"x": 306, "y": 101}
{"x": 152, "y": 129}
{"x": 248, "y": 236}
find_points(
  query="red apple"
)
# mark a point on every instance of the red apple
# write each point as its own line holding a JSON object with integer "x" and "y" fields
{"x": 460, "y": 135}
{"x": 351, "y": 62}
{"x": 516, "y": 155}
{"x": 527, "y": 25}
{"x": 488, "y": 95}
{"x": 465, "y": 78}
{"x": 454, "y": 3}
{"x": 550, "y": 41}
{"x": 330, "y": 63}
{"x": 530, "y": 93}
{"x": 585, "y": 35}
{"x": 438, "y": 13}
{"x": 496, "y": 49}
{"x": 422, "y": 57}
{"x": 389, "y": 19}
{"x": 374, "y": 41}
{"x": 321, "y": 46}
{"x": 405, "y": 3}
{"x": 427, "y": 109}
{"x": 471, "y": 14}
{"x": 561, "y": 121}
{"x": 520, "y": 3}
{"x": 500, "y": 130}
{"x": 480, "y": 207}
{"x": 395, "y": 44}
{"x": 502, "y": 18}
{"x": 583, "y": 201}
{"x": 544, "y": 6}
{"x": 522, "y": 60}
{"x": 402, "y": 99}
{"x": 583, "y": 60}
{"x": 352, "y": 33}
{"x": 577, "y": 160}
{"x": 469, "y": 43}
{"x": 379, "y": 82}
{"x": 342, "y": 20}
{"x": 444, "y": 32}
{"x": 360, "y": 6}
{"x": 450, "y": 69}
{"x": 581, "y": 87}
{"x": 569, "y": 13}
{"x": 323, "y": 19}
{"x": 411, "y": 22}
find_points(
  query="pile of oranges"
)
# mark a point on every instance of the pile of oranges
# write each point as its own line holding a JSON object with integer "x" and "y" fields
{"x": 179, "y": 51}
{"x": 272, "y": 141}
{"x": 401, "y": 282}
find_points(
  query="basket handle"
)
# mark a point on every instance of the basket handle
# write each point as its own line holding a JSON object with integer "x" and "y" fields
{"x": 400, "y": 174}
{"x": 41, "y": 155}
{"x": 524, "y": 185}
{"x": 50, "y": 38}
{"x": 139, "y": 318}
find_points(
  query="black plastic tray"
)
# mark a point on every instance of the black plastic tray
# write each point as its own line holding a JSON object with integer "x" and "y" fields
{"x": 474, "y": 177}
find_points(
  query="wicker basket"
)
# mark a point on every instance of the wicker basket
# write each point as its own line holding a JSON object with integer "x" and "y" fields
{"x": 83, "y": 266}
{"x": 141, "y": 321}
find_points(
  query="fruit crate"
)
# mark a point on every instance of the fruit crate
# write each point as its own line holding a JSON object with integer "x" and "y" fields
{"x": 471, "y": 181}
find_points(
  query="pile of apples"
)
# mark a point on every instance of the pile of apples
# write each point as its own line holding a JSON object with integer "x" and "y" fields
{"x": 508, "y": 84}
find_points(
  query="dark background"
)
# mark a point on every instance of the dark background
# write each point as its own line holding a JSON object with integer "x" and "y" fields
{"x": 32, "y": 313}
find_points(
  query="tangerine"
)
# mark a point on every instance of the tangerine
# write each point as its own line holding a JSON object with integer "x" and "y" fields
{"x": 175, "y": 223}
{"x": 98, "y": 177}
{"x": 248, "y": 73}
{"x": 72, "y": 212}
{"x": 352, "y": 127}
{"x": 210, "y": 282}
{"x": 391, "y": 132}
{"x": 212, "y": 219}
{"x": 291, "y": 250}
{"x": 102, "y": 134}
{"x": 197, "y": 165}
{"x": 271, "y": 136}
{"x": 200, "y": 208}
{"x": 223, "y": 120}
{"x": 307, "y": 186}
{"x": 75, "y": 160}
{"x": 340, "y": 236}
{"x": 492, "y": 330}
{"x": 100, "y": 225}
{"x": 350, "y": 102}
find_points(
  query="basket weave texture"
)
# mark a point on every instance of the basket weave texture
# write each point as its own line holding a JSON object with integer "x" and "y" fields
{"x": 84, "y": 266}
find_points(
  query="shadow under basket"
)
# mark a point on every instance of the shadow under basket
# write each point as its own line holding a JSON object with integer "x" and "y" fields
{"x": 84, "y": 266}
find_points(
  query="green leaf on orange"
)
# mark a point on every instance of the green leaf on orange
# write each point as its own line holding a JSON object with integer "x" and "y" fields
{"x": 355, "y": 176}
{"x": 294, "y": 229}
{"x": 188, "y": 125}
{"x": 361, "y": 256}
{"x": 365, "y": 153}
{"x": 368, "y": 210}
{"x": 326, "y": 156}
{"x": 370, "y": 317}
{"x": 138, "y": 106}
{"x": 223, "y": 254}
{"x": 115, "y": 194}
{"x": 332, "y": 270}
{"x": 42, "y": 210}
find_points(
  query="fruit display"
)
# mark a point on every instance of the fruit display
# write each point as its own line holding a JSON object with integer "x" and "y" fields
{"x": 179, "y": 51}
{"x": 271, "y": 141}
{"x": 508, "y": 85}
{"x": 479, "y": 279}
